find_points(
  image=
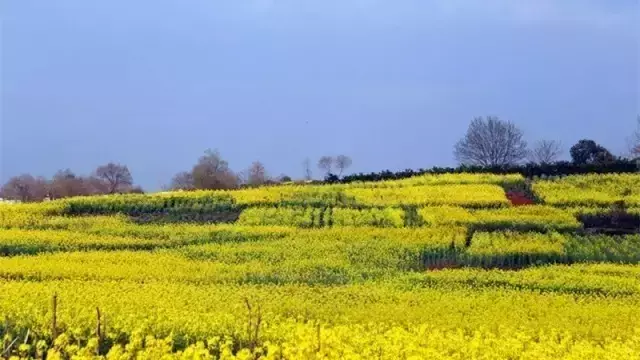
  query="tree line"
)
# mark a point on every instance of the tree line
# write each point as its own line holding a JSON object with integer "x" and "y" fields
{"x": 110, "y": 178}
{"x": 489, "y": 145}
{"x": 211, "y": 172}
{"x": 493, "y": 142}
{"x": 492, "y": 145}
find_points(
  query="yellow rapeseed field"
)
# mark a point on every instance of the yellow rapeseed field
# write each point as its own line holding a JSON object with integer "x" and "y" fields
{"x": 431, "y": 267}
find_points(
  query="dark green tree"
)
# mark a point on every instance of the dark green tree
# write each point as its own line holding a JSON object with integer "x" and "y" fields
{"x": 589, "y": 152}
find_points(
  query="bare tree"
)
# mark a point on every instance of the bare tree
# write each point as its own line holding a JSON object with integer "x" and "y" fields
{"x": 307, "y": 169}
{"x": 182, "y": 181}
{"x": 117, "y": 177}
{"x": 634, "y": 141}
{"x": 342, "y": 162}
{"x": 257, "y": 174}
{"x": 212, "y": 172}
{"x": 491, "y": 142}
{"x": 25, "y": 188}
{"x": 545, "y": 152}
{"x": 97, "y": 185}
{"x": 66, "y": 184}
{"x": 326, "y": 164}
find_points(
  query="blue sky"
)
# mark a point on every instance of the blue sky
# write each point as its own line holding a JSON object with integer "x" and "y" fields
{"x": 393, "y": 84}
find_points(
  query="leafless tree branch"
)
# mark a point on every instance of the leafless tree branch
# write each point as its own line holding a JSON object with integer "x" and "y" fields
{"x": 491, "y": 142}
{"x": 342, "y": 162}
{"x": 545, "y": 152}
{"x": 257, "y": 174}
{"x": 117, "y": 177}
{"x": 326, "y": 164}
{"x": 306, "y": 164}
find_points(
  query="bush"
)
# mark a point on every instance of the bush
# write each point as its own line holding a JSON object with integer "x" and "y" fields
{"x": 560, "y": 168}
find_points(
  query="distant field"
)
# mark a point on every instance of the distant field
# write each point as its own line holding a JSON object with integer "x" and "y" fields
{"x": 431, "y": 267}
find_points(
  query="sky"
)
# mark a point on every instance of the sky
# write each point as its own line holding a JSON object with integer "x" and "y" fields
{"x": 392, "y": 83}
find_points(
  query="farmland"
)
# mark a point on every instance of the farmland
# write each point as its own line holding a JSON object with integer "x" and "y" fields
{"x": 429, "y": 267}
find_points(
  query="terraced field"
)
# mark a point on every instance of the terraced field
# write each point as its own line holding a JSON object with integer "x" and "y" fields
{"x": 431, "y": 267}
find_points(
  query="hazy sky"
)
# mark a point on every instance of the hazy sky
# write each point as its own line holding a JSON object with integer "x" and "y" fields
{"x": 393, "y": 83}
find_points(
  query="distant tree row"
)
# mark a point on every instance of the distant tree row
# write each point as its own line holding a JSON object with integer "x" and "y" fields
{"x": 492, "y": 142}
{"x": 489, "y": 145}
{"x": 106, "y": 179}
{"x": 634, "y": 141}
{"x": 212, "y": 172}
{"x": 557, "y": 168}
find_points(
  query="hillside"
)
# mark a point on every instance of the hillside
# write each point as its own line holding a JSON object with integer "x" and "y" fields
{"x": 435, "y": 266}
